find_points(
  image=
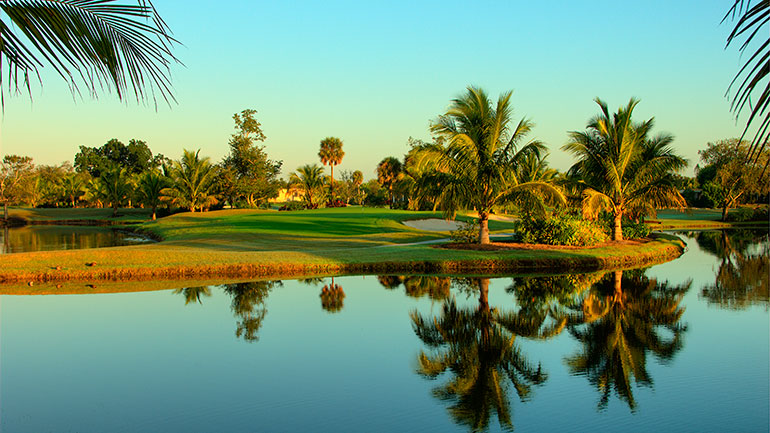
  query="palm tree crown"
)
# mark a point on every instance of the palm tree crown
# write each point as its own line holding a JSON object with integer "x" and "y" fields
{"x": 106, "y": 44}
{"x": 192, "y": 182}
{"x": 331, "y": 154}
{"x": 621, "y": 169}
{"x": 478, "y": 167}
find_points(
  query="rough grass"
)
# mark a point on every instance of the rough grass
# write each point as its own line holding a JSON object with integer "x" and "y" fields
{"x": 262, "y": 244}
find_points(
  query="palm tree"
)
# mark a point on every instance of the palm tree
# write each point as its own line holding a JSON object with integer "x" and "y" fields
{"x": 193, "y": 294}
{"x": 331, "y": 154}
{"x": 191, "y": 179}
{"x": 358, "y": 179}
{"x": 478, "y": 347}
{"x": 621, "y": 169}
{"x": 151, "y": 187}
{"x": 103, "y": 42}
{"x": 753, "y": 22}
{"x": 115, "y": 187}
{"x": 73, "y": 187}
{"x": 623, "y": 318}
{"x": 478, "y": 167}
{"x": 388, "y": 171}
{"x": 310, "y": 180}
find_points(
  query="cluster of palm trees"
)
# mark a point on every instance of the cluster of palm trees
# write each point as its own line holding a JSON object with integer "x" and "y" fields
{"x": 483, "y": 161}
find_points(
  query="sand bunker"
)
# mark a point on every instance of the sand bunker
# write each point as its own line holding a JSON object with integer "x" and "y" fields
{"x": 433, "y": 224}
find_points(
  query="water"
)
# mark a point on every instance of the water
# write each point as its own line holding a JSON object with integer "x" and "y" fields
{"x": 682, "y": 346}
{"x": 50, "y": 237}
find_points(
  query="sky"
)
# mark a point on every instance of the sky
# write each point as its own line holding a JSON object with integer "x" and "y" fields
{"x": 376, "y": 73}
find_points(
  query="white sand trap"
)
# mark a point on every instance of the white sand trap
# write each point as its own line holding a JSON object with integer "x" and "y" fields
{"x": 433, "y": 225}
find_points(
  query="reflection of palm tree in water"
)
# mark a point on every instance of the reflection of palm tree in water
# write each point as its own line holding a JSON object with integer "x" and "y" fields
{"x": 620, "y": 321}
{"x": 477, "y": 346}
{"x": 193, "y": 294}
{"x": 332, "y": 297}
{"x": 744, "y": 270}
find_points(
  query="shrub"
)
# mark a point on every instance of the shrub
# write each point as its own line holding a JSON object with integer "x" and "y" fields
{"x": 292, "y": 205}
{"x": 467, "y": 233}
{"x": 743, "y": 214}
{"x": 560, "y": 229}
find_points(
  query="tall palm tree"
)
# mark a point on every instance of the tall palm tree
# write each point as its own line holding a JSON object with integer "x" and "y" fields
{"x": 73, "y": 187}
{"x": 388, "y": 171}
{"x": 623, "y": 318}
{"x": 621, "y": 168}
{"x": 310, "y": 180}
{"x": 478, "y": 167}
{"x": 478, "y": 347}
{"x": 101, "y": 43}
{"x": 358, "y": 179}
{"x": 151, "y": 186}
{"x": 191, "y": 179}
{"x": 331, "y": 154}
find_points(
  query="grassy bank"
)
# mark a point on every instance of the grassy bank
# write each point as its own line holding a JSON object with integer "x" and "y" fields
{"x": 78, "y": 215}
{"x": 266, "y": 244}
{"x": 697, "y": 219}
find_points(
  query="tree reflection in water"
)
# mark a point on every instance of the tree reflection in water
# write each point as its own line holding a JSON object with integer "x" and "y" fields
{"x": 622, "y": 318}
{"x": 417, "y": 286}
{"x": 248, "y": 306}
{"x": 193, "y": 294}
{"x": 744, "y": 270}
{"x": 477, "y": 346}
{"x": 332, "y": 297}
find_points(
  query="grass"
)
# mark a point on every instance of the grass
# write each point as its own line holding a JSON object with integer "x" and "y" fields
{"x": 263, "y": 244}
{"x": 695, "y": 218}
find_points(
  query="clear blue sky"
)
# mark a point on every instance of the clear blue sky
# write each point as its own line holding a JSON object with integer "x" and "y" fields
{"x": 375, "y": 73}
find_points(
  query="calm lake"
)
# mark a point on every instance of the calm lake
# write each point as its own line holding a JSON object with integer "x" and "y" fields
{"x": 51, "y": 237}
{"x": 681, "y": 346}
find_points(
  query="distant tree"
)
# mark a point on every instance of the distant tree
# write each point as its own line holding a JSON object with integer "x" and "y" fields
{"x": 151, "y": 186}
{"x": 255, "y": 176}
{"x": 331, "y": 154}
{"x": 388, "y": 171}
{"x": 136, "y": 158}
{"x": 309, "y": 179}
{"x": 115, "y": 186}
{"x": 621, "y": 168}
{"x": 726, "y": 178}
{"x": 191, "y": 182}
{"x": 13, "y": 170}
{"x": 74, "y": 187}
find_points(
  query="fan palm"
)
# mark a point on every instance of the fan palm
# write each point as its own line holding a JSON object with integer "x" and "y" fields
{"x": 624, "y": 317}
{"x": 331, "y": 154}
{"x": 310, "y": 180}
{"x": 388, "y": 172}
{"x": 621, "y": 169}
{"x": 478, "y": 347}
{"x": 100, "y": 43}
{"x": 191, "y": 179}
{"x": 478, "y": 167}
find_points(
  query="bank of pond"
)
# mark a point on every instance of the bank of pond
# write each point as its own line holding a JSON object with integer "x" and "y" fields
{"x": 679, "y": 346}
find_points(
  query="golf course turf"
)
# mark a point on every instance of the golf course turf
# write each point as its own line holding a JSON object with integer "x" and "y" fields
{"x": 270, "y": 244}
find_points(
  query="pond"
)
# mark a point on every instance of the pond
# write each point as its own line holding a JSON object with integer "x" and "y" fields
{"x": 52, "y": 237}
{"x": 681, "y": 346}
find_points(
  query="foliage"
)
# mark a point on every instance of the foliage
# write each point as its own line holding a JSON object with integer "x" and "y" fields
{"x": 191, "y": 182}
{"x": 115, "y": 186}
{"x": 151, "y": 186}
{"x": 104, "y": 43}
{"x": 292, "y": 206}
{"x": 388, "y": 172}
{"x": 136, "y": 158}
{"x": 726, "y": 177}
{"x": 467, "y": 233}
{"x": 478, "y": 168}
{"x": 631, "y": 229}
{"x": 560, "y": 229}
{"x": 13, "y": 170}
{"x": 247, "y": 173}
{"x": 752, "y": 22}
{"x": 621, "y": 168}
{"x": 309, "y": 180}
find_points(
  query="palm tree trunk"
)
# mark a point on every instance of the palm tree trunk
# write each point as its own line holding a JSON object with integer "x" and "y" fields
{"x": 617, "y": 231}
{"x": 725, "y": 208}
{"x": 5, "y": 211}
{"x": 154, "y": 207}
{"x": 483, "y": 228}
{"x": 618, "y": 295}
{"x": 114, "y": 210}
{"x": 483, "y": 294}
{"x": 331, "y": 184}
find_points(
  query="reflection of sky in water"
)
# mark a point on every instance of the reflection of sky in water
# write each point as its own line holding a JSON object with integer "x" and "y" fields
{"x": 148, "y": 362}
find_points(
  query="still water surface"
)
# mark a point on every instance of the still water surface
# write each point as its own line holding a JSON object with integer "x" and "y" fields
{"x": 682, "y": 346}
{"x": 51, "y": 237}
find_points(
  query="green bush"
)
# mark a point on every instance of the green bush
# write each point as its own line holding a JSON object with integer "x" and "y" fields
{"x": 631, "y": 229}
{"x": 467, "y": 233}
{"x": 560, "y": 229}
{"x": 743, "y": 214}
